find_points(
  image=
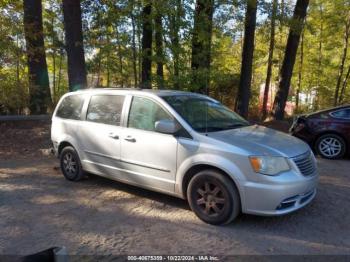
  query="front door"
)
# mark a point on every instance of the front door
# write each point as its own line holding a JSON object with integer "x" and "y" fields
{"x": 148, "y": 156}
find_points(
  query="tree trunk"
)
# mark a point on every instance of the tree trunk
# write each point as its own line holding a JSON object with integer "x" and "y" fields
{"x": 108, "y": 54}
{"x": 108, "y": 72}
{"x": 146, "y": 45}
{"x": 300, "y": 71}
{"x": 120, "y": 56}
{"x": 269, "y": 63}
{"x": 242, "y": 102}
{"x": 74, "y": 44}
{"x": 159, "y": 48}
{"x": 201, "y": 45}
{"x": 134, "y": 54}
{"x": 140, "y": 56}
{"x": 59, "y": 75}
{"x": 345, "y": 82}
{"x": 320, "y": 59}
{"x": 281, "y": 24}
{"x": 342, "y": 63}
{"x": 53, "y": 75}
{"x": 98, "y": 83}
{"x": 18, "y": 61}
{"x": 295, "y": 30}
{"x": 39, "y": 86}
{"x": 53, "y": 61}
{"x": 19, "y": 87}
{"x": 175, "y": 47}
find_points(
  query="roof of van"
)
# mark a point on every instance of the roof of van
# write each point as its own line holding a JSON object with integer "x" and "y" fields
{"x": 158, "y": 92}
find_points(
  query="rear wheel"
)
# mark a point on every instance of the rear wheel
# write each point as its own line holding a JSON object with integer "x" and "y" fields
{"x": 213, "y": 197}
{"x": 330, "y": 146}
{"x": 70, "y": 164}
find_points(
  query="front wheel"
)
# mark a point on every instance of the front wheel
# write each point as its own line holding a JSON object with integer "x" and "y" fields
{"x": 331, "y": 146}
{"x": 70, "y": 164}
{"x": 213, "y": 197}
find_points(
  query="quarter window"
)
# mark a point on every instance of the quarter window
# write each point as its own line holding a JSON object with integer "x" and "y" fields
{"x": 105, "y": 109}
{"x": 344, "y": 114}
{"x": 144, "y": 113}
{"x": 71, "y": 107}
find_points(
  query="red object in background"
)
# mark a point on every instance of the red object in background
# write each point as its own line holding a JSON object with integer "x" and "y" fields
{"x": 290, "y": 106}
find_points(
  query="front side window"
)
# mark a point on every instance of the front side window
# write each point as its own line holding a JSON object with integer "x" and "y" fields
{"x": 105, "y": 109}
{"x": 71, "y": 107}
{"x": 144, "y": 113}
{"x": 205, "y": 114}
{"x": 344, "y": 114}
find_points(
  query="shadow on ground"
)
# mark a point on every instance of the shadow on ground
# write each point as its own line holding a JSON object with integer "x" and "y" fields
{"x": 39, "y": 209}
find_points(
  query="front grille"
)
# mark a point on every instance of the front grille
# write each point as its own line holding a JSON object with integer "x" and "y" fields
{"x": 305, "y": 163}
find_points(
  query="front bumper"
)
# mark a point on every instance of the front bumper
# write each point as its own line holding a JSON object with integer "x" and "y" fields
{"x": 278, "y": 199}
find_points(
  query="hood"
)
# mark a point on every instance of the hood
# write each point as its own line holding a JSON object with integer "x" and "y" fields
{"x": 259, "y": 140}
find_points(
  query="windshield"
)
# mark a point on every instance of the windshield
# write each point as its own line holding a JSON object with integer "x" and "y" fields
{"x": 205, "y": 114}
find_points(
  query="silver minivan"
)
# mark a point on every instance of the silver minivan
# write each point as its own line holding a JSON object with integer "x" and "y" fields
{"x": 183, "y": 144}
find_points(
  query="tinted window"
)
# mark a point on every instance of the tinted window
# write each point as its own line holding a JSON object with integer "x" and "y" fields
{"x": 144, "y": 113}
{"x": 71, "y": 107}
{"x": 106, "y": 109}
{"x": 345, "y": 113}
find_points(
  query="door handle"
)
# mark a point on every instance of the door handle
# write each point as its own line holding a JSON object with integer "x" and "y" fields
{"x": 114, "y": 136}
{"x": 130, "y": 139}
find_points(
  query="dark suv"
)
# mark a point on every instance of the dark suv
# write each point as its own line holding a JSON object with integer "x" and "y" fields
{"x": 327, "y": 131}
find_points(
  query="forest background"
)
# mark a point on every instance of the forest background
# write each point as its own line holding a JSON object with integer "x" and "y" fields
{"x": 257, "y": 57}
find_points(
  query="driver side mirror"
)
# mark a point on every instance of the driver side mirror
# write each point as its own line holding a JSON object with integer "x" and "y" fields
{"x": 166, "y": 126}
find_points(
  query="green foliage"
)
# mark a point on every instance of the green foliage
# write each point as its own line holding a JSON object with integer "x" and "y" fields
{"x": 109, "y": 28}
{"x": 323, "y": 47}
{"x": 13, "y": 73}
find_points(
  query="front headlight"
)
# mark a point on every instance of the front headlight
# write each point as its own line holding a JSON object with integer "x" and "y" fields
{"x": 269, "y": 165}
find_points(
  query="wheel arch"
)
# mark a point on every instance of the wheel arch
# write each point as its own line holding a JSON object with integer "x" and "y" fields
{"x": 193, "y": 170}
{"x": 65, "y": 141}
{"x": 62, "y": 145}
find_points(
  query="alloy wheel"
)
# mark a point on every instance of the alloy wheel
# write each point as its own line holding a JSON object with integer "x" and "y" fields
{"x": 330, "y": 147}
{"x": 210, "y": 199}
{"x": 70, "y": 164}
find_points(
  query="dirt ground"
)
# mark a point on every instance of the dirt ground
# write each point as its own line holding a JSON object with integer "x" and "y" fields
{"x": 40, "y": 209}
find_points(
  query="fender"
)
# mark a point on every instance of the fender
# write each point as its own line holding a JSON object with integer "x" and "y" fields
{"x": 216, "y": 161}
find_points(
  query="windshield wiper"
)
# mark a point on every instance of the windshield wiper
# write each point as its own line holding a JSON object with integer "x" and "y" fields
{"x": 221, "y": 128}
{"x": 233, "y": 126}
{"x": 209, "y": 129}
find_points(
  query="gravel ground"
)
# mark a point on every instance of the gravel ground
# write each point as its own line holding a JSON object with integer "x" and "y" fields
{"x": 40, "y": 209}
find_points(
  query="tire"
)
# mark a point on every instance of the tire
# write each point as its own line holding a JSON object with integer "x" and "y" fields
{"x": 213, "y": 197}
{"x": 330, "y": 146}
{"x": 70, "y": 164}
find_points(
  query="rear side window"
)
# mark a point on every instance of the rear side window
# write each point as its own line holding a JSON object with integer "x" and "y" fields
{"x": 105, "y": 109}
{"x": 344, "y": 114}
{"x": 71, "y": 107}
